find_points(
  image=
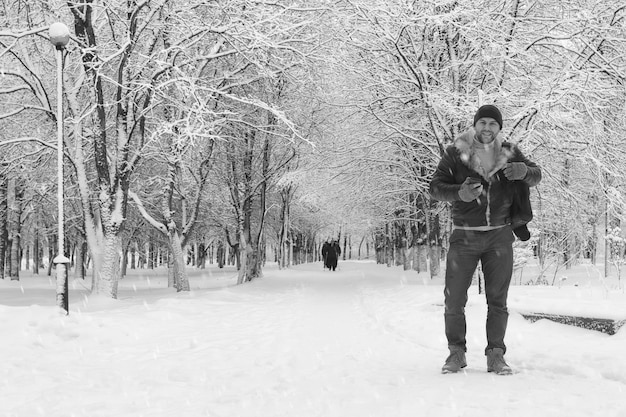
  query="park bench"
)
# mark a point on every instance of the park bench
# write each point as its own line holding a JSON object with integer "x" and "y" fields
{"x": 604, "y": 325}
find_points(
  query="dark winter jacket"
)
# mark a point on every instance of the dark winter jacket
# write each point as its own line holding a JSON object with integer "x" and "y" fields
{"x": 502, "y": 201}
{"x": 330, "y": 254}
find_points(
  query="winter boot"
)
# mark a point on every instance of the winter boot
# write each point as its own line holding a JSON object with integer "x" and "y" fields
{"x": 496, "y": 363}
{"x": 455, "y": 361}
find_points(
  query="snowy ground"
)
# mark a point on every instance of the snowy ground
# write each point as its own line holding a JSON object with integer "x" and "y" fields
{"x": 366, "y": 340}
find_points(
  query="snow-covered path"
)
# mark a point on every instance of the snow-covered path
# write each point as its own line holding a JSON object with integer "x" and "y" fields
{"x": 365, "y": 340}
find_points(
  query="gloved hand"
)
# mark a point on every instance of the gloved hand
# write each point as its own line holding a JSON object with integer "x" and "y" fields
{"x": 470, "y": 189}
{"x": 515, "y": 171}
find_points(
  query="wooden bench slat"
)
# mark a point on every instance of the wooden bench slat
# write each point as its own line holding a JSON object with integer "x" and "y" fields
{"x": 608, "y": 326}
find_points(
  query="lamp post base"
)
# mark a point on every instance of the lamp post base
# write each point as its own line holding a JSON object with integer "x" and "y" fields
{"x": 63, "y": 300}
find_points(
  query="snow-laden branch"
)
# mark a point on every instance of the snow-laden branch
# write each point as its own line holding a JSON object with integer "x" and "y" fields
{"x": 39, "y": 141}
{"x": 23, "y": 34}
{"x": 22, "y": 109}
{"x": 17, "y": 36}
{"x": 14, "y": 89}
{"x": 158, "y": 225}
{"x": 29, "y": 139}
{"x": 279, "y": 114}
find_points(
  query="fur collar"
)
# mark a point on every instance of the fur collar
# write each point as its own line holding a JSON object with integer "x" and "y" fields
{"x": 464, "y": 143}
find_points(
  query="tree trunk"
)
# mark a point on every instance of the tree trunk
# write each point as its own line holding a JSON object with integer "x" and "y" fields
{"x": 171, "y": 269}
{"x": 433, "y": 231}
{"x": 195, "y": 257}
{"x": 243, "y": 267}
{"x": 290, "y": 243}
{"x": 435, "y": 261}
{"x": 52, "y": 244}
{"x": 124, "y": 261}
{"x": 283, "y": 237}
{"x": 107, "y": 276}
{"x": 36, "y": 251}
{"x": 388, "y": 246}
{"x": 245, "y": 214}
{"x": 202, "y": 254}
{"x": 181, "y": 280}
{"x": 16, "y": 229}
{"x": 593, "y": 245}
{"x": 133, "y": 255}
{"x": 254, "y": 238}
{"x": 8, "y": 259}
{"x": 141, "y": 256}
{"x": 3, "y": 221}
{"x": 406, "y": 255}
{"x": 253, "y": 262}
{"x": 421, "y": 258}
{"x": 221, "y": 254}
{"x": 151, "y": 255}
{"x": 360, "y": 246}
{"x": 78, "y": 259}
{"x": 81, "y": 258}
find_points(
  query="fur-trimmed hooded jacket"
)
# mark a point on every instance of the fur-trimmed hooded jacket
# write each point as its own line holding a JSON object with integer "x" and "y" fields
{"x": 502, "y": 201}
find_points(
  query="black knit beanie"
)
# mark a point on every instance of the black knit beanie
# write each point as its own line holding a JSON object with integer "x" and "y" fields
{"x": 488, "y": 111}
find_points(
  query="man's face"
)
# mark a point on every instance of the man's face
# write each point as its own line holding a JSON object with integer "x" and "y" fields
{"x": 487, "y": 129}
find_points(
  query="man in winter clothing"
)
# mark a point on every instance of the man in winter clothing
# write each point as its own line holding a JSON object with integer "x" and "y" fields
{"x": 486, "y": 180}
{"x": 330, "y": 252}
{"x": 326, "y": 247}
{"x": 333, "y": 255}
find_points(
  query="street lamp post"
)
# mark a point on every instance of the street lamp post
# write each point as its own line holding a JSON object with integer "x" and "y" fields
{"x": 59, "y": 37}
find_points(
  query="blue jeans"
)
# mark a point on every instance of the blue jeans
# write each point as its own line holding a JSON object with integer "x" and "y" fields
{"x": 494, "y": 249}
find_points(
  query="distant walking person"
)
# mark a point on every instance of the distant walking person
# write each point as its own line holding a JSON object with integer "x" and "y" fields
{"x": 481, "y": 175}
{"x": 336, "y": 249}
{"x": 330, "y": 254}
{"x": 325, "y": 249}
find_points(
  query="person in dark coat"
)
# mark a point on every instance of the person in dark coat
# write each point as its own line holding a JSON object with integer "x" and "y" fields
{"x": 330, "y": 254}
{"x": 326, "y": 247}
{"x": 487, "y": 181}
{"x": 334, "y": 257}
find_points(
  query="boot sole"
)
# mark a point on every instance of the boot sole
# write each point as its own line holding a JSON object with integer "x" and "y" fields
{"x": 450, "y": 371}
{"x": 503, "y": 373}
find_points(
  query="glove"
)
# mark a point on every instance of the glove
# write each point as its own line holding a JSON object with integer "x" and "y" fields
{"x": 470, "y": 189}
{"x": 515, "y": 171}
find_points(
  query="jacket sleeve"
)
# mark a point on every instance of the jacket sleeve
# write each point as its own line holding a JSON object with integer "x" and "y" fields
{"x": 443, "y": 186}
{"x": 533, "y": 176}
